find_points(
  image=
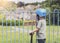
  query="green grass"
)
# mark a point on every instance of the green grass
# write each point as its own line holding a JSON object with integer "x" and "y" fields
{"x": 53, "y": 33}
{"x": 25, "y": 37}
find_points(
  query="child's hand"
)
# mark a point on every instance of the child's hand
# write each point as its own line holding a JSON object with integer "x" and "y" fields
{"x": 31, "y": 33}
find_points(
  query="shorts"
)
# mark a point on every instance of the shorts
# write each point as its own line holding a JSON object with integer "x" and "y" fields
{"x": 41, "y": 40}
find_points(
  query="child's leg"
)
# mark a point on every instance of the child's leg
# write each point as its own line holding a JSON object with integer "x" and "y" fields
{"x": 41, "y": 40}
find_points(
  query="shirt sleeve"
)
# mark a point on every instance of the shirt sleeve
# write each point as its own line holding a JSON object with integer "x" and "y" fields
{"x": 39, "y": 24}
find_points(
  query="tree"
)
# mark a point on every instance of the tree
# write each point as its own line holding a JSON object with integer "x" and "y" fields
{"x": 10, "y": 5}
{"x": 55, "y": 4}
{"x": 20, "y": 4}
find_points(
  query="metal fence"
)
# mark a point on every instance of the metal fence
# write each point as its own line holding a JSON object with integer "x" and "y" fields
{"x": 15, "y": 27}
{"x": 53, "y": 28}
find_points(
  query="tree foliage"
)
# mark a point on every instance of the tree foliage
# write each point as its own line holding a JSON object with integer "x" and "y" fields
{"x": 20, "y": 4}
{"x": 54, "y": 16}
{"x": 11, "y": 6}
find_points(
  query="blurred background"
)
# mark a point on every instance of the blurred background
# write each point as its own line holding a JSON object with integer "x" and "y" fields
{"x": 18, "y": 18}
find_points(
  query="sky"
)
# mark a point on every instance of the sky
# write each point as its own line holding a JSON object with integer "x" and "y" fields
{"x": 27, "y": 1}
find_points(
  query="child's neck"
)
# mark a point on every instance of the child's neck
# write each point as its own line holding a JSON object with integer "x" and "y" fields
{"x": 41, "y": 18}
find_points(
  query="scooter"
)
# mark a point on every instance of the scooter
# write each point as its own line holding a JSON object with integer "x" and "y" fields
{"x": 31, "y": 39}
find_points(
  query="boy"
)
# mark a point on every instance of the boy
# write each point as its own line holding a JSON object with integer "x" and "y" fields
{"x": 41, "y": 26}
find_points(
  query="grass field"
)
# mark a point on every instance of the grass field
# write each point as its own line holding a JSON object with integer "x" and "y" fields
{"x": 6, "y": 36}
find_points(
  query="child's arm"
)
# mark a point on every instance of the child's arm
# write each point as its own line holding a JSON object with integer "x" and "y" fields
{"x": 36, "y": 30}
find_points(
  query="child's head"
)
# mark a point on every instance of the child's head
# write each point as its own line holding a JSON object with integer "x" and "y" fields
{"x": 41, "y": 13}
